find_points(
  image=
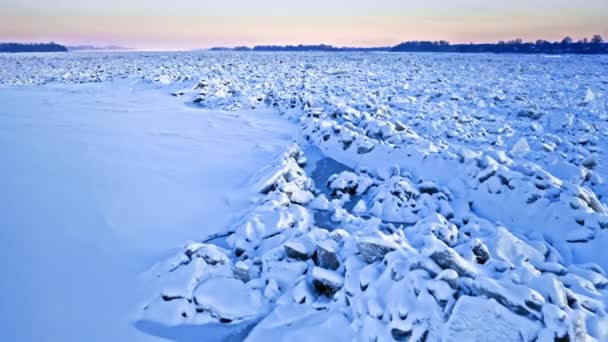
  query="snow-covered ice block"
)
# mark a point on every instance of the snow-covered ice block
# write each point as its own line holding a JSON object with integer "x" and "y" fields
{"x": 228, "y": 299}
{"x": 481, "y": 319}
{"x": 327, "y": 282}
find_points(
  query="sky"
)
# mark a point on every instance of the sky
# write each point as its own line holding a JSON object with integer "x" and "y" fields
{"x": 187, "y": 24}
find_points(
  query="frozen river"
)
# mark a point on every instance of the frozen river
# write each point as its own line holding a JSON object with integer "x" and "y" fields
{"x": 99, "y": 182}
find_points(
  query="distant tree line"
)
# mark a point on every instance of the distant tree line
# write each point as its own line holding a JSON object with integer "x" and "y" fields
{"x": 238, "y": 48}
{"x": 301, "y": 47}
{"x": 595, "y": 45}
{"x": 39, "y": 47}
{"x": 320, "y": 47}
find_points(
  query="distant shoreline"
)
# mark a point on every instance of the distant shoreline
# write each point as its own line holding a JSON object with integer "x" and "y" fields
{"x": 596, "y": 46}
{"x": 54, "y": 47}
{"x": 34, "y": 47}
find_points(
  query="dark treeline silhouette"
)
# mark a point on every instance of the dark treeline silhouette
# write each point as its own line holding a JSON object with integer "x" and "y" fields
{"x": 595, "y": 45}
{"x": 320, "y": 47}
{"x": 286, "y": 48}
{"x": 238, "y": 48}
{"x": 39, "y": 47}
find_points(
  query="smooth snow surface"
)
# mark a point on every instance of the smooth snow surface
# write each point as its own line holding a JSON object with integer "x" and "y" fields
{"x": 100, "y": 180}
{"x": 304, "y": 196}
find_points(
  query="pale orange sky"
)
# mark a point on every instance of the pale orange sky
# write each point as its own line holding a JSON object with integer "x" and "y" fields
{"x": 185, "y": 24}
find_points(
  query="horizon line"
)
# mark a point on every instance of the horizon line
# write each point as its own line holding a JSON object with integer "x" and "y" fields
{"x": 124, "y": 47}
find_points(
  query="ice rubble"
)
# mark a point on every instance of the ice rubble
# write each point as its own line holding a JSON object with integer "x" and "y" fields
{"x": 450, "y": 274}
{"x": 472, "y": 206}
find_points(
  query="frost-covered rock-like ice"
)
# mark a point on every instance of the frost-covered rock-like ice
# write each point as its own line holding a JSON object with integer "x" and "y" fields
{"x": 326, "y": 255}
{"x": 374, "y": 248}
{"x": 326, "y": 281}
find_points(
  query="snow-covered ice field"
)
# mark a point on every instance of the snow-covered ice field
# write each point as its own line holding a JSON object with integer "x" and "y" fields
{"x": 99, "y": 181}
{"x": 304, "y": 196}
